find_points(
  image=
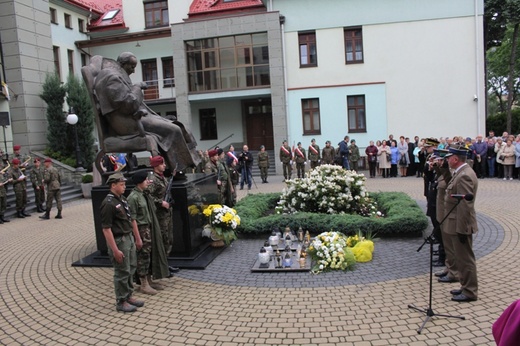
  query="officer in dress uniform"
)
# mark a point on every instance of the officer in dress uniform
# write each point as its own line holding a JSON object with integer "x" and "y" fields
{"x": 286, "y": 159}
{"x": 314, "y": 154}
{"x": 117, "y": 229}
{"x": 301, "y": 159}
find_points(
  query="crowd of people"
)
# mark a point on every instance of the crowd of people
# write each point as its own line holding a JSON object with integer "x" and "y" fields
{"x": 16, "y": 170}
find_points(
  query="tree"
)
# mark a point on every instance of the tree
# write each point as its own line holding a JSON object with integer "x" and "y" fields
{"x": 54, "y": 94}
{"x": 502, "y": 18}
{"x": 78, "y": 99}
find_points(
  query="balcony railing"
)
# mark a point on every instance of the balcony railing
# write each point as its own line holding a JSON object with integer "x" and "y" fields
{"x": 159, "y": 89}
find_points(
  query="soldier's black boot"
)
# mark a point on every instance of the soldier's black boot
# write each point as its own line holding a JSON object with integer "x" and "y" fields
{"x": 1, "y": 222}
{"x": 19, "y": 214}
{"x": 42, "y": 208}
{"x": 38, "y": 209}
{"x": 58, "y": 216}
{"x": 24, "y": 213}
{"x": 3, "y": 218}
{"x": 45, "y": 216}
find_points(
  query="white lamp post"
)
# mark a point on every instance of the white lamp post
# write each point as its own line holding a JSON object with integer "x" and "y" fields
{"x": 72, "y": 119}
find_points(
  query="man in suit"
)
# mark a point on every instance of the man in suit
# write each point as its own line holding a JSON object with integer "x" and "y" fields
{"x": 460, "y": 226}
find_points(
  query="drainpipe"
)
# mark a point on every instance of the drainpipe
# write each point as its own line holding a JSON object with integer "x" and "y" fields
{"x": 282, "y": 28}
{"x": 477, "y": 68}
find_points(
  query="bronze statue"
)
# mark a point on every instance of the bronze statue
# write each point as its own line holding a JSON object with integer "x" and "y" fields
{"x": 124, "y": 121}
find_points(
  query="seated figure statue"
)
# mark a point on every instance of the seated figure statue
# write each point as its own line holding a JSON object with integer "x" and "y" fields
{"x": 121, "y": 104}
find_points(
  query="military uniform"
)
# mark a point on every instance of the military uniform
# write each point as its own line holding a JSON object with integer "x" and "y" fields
{"x": 286, "y": 158}
{"x": 36, "y": 176}
{"x": 157, "y": 190}
{"x": 52, "y": 178}
{"x": 139, "y": 213}
{"x": 300, "y": 158}
{"x": 314, "y": 155}
{"x": 115, "y": 215}
{"x": 4, "y": 180}
{"x": 354, "y": 156}
{"x": 327, "y": 155}
{"x": 263, "y": 164}
{"x": 20, "y": 190}
{"x": 234, "y": 177}
{"x": 225, "y": 188}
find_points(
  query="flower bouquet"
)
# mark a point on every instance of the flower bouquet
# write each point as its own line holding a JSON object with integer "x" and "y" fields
{"x": 223, "y": 222}
{"x": 361, "y": 247}
{"x": 329, "y": 251}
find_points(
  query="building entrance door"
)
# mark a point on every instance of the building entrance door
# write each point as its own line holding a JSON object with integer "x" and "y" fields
{"x": 259, "y": 123}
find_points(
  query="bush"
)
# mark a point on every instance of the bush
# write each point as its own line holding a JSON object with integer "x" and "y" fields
{"x": 498, "y": 122}
{"x": 87, "y": 179}
{"x": 403, "y": 217}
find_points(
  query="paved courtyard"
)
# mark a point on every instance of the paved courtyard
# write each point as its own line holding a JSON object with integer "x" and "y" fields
{"x": 46, "y": 301}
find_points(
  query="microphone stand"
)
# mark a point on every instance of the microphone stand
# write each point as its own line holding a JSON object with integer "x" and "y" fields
{"x": 429, "y": 311}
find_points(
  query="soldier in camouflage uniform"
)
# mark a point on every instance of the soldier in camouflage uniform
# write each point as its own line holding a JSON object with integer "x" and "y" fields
{"x": 52, "y": 178}
{"x": 286, "y": 159}
{"x": 224, "y": 184}
{"x": 301, "y": 159}
{"x": 24, "y": 159}
{"x": 117, "y": 229}
{"x": 314, "y": 154}
{"x": 151, "y": 258}
{"x": 234, "y": 177}
{"x": 157, "y": 190}
{"x": 263, "y": 163}
{"x": 19, "y": 181}
{"x": 37, "y": 184}
{"x": 354, "y": 155}
{"x": 4, "y": 180}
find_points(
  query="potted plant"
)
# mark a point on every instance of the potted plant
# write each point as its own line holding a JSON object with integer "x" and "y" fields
{"x": 223, "y": 222}
{"x": 86, "y": 185}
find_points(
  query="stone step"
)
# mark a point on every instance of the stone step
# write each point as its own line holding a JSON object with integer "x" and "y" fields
{"x": 68, "y": 193}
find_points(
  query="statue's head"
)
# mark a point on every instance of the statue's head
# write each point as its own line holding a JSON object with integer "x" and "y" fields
{"x": 127, "y": 61}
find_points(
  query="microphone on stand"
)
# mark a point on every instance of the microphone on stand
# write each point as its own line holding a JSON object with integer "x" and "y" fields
{"x": 467, "y": 197}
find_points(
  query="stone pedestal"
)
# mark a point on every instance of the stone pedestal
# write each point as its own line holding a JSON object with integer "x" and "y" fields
{"x": 190, "y": 249}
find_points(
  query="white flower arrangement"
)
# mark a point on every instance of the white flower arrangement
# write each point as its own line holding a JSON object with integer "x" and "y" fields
{"x": 328, "y": 189}
{"x": 329, "y": 251}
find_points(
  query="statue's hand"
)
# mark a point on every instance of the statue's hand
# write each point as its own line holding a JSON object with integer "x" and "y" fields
{"x": 143, "y": 85}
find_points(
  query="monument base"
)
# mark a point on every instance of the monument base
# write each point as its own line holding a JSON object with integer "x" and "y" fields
{"x": 190, "y": 250}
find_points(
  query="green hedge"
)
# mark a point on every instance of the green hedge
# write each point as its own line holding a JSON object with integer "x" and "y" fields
{"x": 403, "y": 217}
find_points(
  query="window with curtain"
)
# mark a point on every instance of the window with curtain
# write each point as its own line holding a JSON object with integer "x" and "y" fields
{"x": 356, "y": 113}
{"x": 308, "y": 51}
{"x": 311, "y": 116}
{"x": 353, "y": 45}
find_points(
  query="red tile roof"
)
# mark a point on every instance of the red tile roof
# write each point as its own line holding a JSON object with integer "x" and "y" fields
{"x": 100, "y": 8}
{"x": 205, "y": 7}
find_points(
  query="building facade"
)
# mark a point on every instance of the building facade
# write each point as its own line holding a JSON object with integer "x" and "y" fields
{"x": 259, "y": 72}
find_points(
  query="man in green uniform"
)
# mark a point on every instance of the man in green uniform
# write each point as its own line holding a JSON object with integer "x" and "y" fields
{"x": 263, "y": 163}
{"x": 354, "y": 155}
{"x": 286, "y": 159}
{"x": 158, "y": 191}
{"x": 151, "y": 258}
{"x": 20, "y": 188}
{"x": 224, "y": 184}
{"x": 117, "y": 229}
{"x": 327, "y": 154}
{"x": 301, "y": 159}
{"x": 52, "y": 178}
{"x": 37, "y": 184}
{"x": 314, "y": 154}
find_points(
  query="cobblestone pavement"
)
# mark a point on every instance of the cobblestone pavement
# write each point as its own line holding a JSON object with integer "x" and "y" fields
{"x": 44, "y": 300}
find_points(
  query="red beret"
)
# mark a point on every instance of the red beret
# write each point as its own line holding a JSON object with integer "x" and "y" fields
{"x": 47, "y": 160}
{"x": 212, "y": 153}
{"x": 17, "y": 147}
{"x": 15, "y": 162}
{"x": 37, "y": 159}
{"x": 156, "y": 161}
